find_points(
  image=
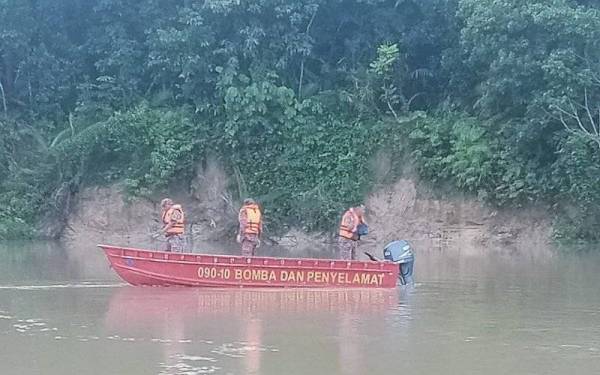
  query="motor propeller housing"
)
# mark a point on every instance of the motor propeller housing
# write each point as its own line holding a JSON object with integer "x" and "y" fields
{"x": 400, "y": 251}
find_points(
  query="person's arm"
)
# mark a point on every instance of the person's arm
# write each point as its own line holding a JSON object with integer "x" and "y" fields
{"x": 243, "y": 220}
{"x": 352, "y": 224}
{"x": 362, "y": 220}
{"x": 167, "y": 227}
{"x": 260, "y": 229}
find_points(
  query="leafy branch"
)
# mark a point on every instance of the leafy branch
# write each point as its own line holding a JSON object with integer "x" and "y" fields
{"x": 580, "y": 119}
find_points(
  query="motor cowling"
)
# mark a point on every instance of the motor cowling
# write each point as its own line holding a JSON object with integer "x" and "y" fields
{"x": 400, "y": 252}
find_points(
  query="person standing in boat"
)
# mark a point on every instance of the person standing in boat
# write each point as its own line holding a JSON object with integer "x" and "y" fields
{"x": 173, "y": 225}
{"x": 352, "y": 226}
{"x": 250, "y": 219}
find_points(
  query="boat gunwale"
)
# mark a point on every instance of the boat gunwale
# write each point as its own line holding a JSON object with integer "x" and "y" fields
{"x": 251, "y": 265}
{"x": 386, "y": 266}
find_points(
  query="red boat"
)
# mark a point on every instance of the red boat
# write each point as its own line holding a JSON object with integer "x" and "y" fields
{"x": 157, "y": 268}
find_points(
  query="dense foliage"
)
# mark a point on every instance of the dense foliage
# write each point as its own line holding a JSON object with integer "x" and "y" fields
{"x": 494, "y": 97}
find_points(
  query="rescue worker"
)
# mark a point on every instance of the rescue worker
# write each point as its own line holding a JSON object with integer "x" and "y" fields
{"x": 348, "y": 234}
{"x": 174, "y": 224}
{"x": 250, "y": 219}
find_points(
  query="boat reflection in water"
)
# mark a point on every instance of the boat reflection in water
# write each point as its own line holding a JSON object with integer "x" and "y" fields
{"x": 230, "y": 324}
{"x": 133, "y": 306}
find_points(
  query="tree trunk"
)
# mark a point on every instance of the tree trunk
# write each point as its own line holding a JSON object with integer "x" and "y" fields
{"x": 3, "y": 99}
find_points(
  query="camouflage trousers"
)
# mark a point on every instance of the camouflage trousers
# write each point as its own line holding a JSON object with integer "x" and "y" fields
{"x": 175, "y": 243}
{"x": 249, "y": 244}
{"x": 347, "y": 248}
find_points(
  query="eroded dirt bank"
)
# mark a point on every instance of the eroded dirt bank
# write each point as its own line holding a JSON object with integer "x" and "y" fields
{"x": 398, "y": 211}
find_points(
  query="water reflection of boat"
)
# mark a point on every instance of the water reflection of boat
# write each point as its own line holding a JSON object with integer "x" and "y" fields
{"x": 144, "y": 306}
{"x": 186, "y": 321}
{"x": 144, "y": 267}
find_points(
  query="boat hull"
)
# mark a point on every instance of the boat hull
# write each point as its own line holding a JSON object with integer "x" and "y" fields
{"x": 157, "y": 268}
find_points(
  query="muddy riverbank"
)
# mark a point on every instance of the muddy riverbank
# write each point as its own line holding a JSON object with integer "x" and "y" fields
{"x": 404, "y": 210}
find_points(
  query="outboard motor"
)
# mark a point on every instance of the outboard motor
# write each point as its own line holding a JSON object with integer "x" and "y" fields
{"x": 401, "y": 252}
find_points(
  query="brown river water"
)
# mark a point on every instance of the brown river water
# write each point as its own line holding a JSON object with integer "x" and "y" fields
{"x": 62, "y": 311}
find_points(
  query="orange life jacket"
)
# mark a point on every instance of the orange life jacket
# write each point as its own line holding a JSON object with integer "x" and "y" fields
{"x": 178, "y": 226}
{"x": 253, "y": 219}
{"x": 350, "y": 221}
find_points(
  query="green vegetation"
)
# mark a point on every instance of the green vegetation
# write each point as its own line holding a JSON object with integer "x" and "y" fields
{"x": 496, "y": 98}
